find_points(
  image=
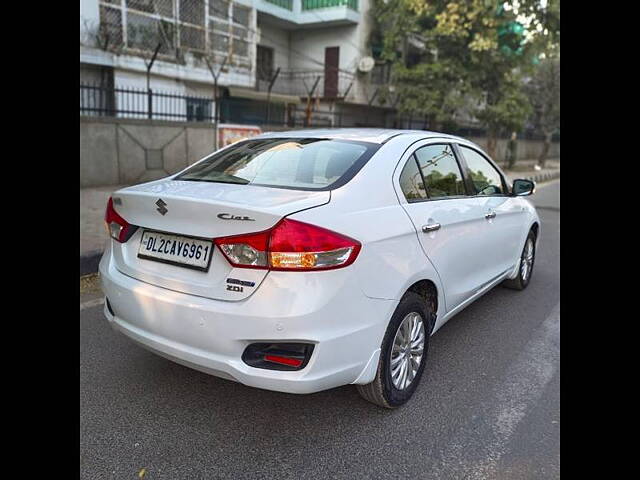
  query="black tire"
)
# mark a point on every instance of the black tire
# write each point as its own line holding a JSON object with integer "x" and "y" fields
{"x": 382, "y": 391}
{"x": 520, "y": 283}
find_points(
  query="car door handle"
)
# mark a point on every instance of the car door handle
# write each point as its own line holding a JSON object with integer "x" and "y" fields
{"x": 432, "y": 227}
{"x": 490, "y": 215}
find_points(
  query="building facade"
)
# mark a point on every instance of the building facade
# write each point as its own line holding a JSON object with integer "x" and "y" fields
{"x": 277, "y": 62}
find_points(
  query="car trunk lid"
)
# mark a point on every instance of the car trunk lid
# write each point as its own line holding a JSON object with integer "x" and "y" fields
{"x": 204, "y": 210}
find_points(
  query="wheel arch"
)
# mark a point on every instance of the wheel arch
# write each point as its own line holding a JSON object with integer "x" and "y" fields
{"x": 428, "y": 290}
{"x": 535, "y": 228}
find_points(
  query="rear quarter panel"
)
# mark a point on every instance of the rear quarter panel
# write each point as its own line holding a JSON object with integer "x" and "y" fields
{"x": 367, "y": 209}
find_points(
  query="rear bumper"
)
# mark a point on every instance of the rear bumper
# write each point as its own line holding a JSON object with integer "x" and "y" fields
{"x": 325, "y": 308}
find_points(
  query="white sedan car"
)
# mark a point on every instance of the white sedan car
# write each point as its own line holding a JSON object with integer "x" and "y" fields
{"x": 306, "y": 260}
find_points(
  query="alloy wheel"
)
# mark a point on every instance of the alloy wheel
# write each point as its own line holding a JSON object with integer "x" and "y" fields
{"x": 407, "y": 350}
{"x": 526, "y": 263}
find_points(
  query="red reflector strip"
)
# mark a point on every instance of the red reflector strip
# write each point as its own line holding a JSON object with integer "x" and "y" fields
{"x": 292, "y": 362}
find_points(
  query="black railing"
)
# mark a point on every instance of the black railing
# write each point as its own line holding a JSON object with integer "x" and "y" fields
{"x": 100, "y": 100}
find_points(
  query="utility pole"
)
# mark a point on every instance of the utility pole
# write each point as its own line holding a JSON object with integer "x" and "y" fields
{"x": 271, "y": 82}
{"x": 216, "y": 97}
{"x": 149, "y": 65}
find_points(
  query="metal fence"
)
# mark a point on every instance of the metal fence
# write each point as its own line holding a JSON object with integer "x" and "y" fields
{"x": 102, "y": 100}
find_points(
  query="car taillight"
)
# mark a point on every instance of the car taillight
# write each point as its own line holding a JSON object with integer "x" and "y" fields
{"x": 290, "y": 245}
{"x": 117, "y": 227}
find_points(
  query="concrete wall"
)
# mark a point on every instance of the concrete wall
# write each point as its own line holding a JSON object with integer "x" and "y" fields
{"x": 118, "y": 151}
{"x": 126, "y": 151}
{"x": 527, "y": 149}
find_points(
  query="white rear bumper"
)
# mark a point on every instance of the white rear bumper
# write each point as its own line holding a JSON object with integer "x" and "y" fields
{"x": 325, "y": 308}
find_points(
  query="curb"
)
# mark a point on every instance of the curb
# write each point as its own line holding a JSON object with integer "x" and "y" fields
{"x": 544, "y": 177}
{"x": 89, "y": 262}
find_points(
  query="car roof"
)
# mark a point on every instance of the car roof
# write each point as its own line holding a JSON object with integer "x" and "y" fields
{"x": 373, "y": 135}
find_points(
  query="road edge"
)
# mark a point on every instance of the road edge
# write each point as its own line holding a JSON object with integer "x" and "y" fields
{"x": 89, "y": 262}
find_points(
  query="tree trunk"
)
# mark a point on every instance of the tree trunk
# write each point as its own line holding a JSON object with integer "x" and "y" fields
{"x": 542, "y": 159}
{"x": 492, "y": 143}
{"x": 512, "y": 154}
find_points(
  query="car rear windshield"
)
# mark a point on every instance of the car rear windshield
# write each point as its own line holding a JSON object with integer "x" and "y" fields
{"x": 295, "y": 163}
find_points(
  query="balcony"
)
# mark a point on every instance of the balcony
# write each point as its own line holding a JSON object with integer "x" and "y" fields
{"x": 287, "y": 4}
{"x": 308, "y": 13}
{"x": 315, "y": 4}
{"x": 300, "y": 84}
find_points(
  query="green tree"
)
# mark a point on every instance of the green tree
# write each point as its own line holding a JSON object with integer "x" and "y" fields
{"x": 475, "y": 51}
{"x": 543, "y": 90}
{"x": 432, "y": 84}
{"x": 433, "y": 91}
{"x": 506, "y": 108}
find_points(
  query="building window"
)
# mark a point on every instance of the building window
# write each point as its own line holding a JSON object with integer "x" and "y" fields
{"x": 240, "y": 17}
{"x": 264, "y": 63}
{"x": 179, "y": 26}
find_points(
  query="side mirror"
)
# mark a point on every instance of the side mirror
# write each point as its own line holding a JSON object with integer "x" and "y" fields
{"x": 522, "y": 188}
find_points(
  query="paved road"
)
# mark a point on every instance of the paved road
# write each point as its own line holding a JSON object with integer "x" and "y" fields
{"x": 487, "y": 407}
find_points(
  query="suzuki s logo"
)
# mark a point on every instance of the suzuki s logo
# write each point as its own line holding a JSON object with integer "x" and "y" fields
{"x": 162, "y": 206}
{"x": 228, "y": 216}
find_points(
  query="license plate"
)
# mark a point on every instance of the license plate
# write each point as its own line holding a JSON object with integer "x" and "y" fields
{"x": 175, "y": 249}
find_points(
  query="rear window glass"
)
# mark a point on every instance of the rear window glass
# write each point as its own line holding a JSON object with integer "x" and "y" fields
{"x": 297, "y": 163}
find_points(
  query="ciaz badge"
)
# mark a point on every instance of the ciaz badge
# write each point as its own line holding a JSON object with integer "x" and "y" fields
{"x": 228, "y": 216}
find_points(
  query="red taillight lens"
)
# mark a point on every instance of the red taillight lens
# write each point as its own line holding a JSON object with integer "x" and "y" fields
{"x": 290, "y": 245}
{"x": 117, "y": 227}
{"x": 295, "y": 245}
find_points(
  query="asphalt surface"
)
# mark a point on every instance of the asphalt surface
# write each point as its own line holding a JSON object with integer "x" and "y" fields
{"x": 488, "y": 405}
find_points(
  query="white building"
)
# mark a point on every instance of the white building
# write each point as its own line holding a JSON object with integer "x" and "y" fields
{"x": 309, "y": 43}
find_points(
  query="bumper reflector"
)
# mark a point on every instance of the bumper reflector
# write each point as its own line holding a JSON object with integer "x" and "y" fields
{"x": 293, "y": 362}
{"x": 278, "y": 356}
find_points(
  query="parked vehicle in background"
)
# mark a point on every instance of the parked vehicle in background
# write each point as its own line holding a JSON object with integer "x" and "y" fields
{"x": 306, "y": 260}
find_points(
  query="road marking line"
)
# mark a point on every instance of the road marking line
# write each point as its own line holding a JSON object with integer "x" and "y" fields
{"x": 523, "y": 384}
{"x": 91, "y": 303}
